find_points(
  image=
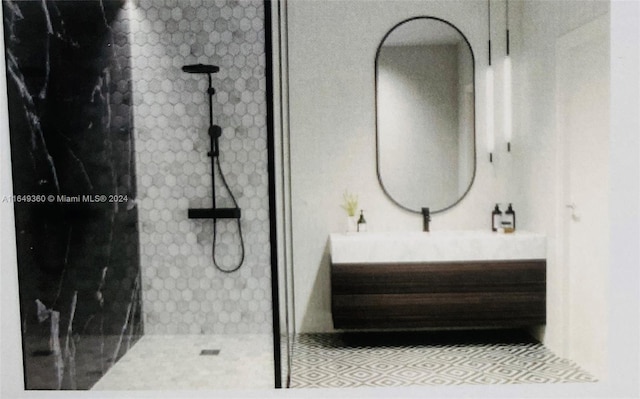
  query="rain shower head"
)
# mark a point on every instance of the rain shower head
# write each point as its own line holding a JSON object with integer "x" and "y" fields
{"x": 200, "y": 68}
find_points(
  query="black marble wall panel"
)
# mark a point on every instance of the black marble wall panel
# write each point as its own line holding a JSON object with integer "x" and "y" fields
{"x": 70, "y": 115}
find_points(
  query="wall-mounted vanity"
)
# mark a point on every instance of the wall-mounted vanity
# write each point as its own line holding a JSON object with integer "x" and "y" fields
{"x": 438, "y": 279}
{"x": 426, "y": 159}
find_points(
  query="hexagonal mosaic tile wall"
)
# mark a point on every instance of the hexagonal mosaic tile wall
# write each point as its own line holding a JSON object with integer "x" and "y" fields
{"x": 183, "y": 293}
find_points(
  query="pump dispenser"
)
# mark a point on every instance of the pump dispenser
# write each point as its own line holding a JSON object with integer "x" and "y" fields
{"x": 496, "y": 218}
{"x": 362, "y": 224}
{"x": 509, "y": 221}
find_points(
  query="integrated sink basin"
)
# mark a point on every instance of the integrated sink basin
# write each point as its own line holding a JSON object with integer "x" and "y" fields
{"x": 436, "y": 246}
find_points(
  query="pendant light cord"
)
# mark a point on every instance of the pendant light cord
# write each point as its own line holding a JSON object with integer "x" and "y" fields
{"x": 489, "y": 27}
{"x": 507, "y": 24}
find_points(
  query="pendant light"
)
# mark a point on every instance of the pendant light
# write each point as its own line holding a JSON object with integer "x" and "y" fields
{"x": 508, "y": 127}
{"x": 489, "y": 93}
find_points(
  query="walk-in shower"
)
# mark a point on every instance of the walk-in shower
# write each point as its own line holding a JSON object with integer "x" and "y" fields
{"x": 215, "y": 213}
{"x": 115, "y": 99}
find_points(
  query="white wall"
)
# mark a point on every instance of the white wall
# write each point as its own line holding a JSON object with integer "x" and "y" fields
{"x": 624, "y": 155}
{"x": 332, "y": 48}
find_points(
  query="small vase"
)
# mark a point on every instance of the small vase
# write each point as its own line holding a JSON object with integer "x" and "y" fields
{"x": 352, "y": 224}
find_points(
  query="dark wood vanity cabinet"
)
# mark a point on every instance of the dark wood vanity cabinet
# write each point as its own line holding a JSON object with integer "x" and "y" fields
{"x": 507, "y": 293}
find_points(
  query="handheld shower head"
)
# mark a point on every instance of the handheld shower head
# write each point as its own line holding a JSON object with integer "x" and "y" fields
{"x": 200, "y": 68}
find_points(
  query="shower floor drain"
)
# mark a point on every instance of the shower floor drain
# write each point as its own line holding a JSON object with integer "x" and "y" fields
{"x": 209, "y": 352}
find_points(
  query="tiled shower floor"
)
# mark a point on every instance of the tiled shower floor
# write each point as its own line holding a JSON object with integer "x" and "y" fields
{"x": 431, "y": 358}
{"x": 174, "y": 362}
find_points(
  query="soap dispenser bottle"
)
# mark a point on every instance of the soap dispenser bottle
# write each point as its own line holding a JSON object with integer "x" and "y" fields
{"x": 496, "y": 218}
{"x": 509, "y": 220}
{"x": 362, "y": 224}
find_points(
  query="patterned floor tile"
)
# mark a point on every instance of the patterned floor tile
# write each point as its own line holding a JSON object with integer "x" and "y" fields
{"x": 344, "y": 360}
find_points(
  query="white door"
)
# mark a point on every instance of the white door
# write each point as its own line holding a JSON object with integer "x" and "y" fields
{"x": 582, "y": 100}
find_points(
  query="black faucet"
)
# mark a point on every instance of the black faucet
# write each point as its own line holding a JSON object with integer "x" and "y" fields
{"x": 426, "y": 218}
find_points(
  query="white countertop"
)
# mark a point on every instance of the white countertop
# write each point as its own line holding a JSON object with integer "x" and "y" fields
{"x": 437, "y": 246}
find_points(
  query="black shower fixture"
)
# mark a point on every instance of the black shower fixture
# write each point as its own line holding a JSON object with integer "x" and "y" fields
{"x": 215, "y": 132}
{"x": 200, "y": 68}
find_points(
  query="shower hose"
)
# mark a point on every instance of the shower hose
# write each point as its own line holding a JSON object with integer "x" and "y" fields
{"x": 216, "y": 159}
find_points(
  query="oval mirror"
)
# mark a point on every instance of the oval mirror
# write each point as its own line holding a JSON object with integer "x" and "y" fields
{"x": 425, "y": 114}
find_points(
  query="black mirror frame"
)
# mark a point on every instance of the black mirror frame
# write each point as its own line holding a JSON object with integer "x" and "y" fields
{"x": 475, "y": 157}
